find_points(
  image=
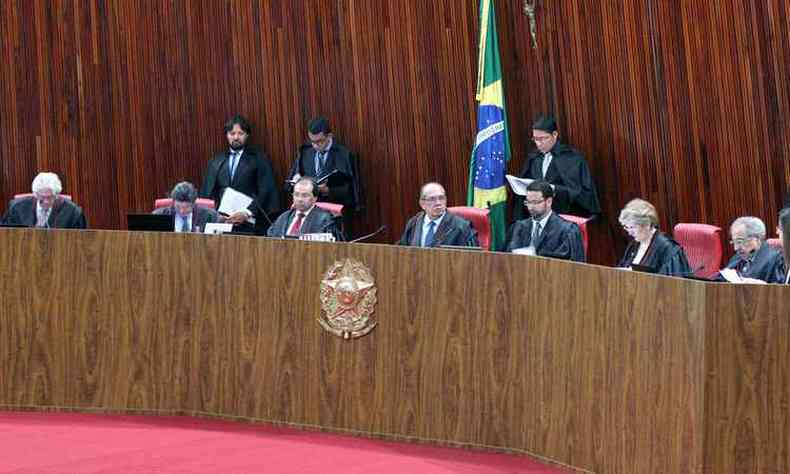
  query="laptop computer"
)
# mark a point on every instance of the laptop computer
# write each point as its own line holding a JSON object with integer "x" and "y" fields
{"x": 151, "y": 222}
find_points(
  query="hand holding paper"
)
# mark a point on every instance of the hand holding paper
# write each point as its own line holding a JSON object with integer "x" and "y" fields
{"x": 518, "y": 185}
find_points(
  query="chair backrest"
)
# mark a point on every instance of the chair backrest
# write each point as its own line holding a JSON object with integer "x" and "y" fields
{"x": 702, "y": 244}
{"x": 480, "y": 221}
{"x": 775, "y": 244}
{"x": 27, "y": 195}
{"x": 582, "y": 223}
{"x": 200, "y": 202}
{"x": 335, "y": 209}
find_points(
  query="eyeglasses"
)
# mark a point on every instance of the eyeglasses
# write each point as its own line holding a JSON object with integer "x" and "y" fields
{"x": 433, "y": 199}
{"x": 542, "y": 138}
{"x": 741, "y": 241}
{"x": 630, "y": 226}
{"x": 534, "y": 203}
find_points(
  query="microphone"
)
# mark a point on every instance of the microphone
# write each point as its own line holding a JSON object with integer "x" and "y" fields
{"x": 691, "y": 273}
{"x": 366, "y": 237}
{"x": 265, "y": 214}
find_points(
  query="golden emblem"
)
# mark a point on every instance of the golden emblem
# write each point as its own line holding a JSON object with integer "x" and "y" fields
{"x": 348, "y": 298}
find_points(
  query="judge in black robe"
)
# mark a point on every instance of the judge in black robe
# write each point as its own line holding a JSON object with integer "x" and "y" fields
{"x": 764, "y": 263}
{"x": 557, "y": 237}
{"x": 336, "y": 163}
{"x": 253, "y": 176}
{"x": 64, "y": 214}
{"x": 314, "y": 219}
{"x": 449, "y": 229}
{"x": 317, "y": 221}
{"x": 662, "y": 254}
{"x": 754, "y": 258}
{"x": 575, "y": 191}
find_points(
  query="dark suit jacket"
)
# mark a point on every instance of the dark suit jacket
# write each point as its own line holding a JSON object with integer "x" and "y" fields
{"x": 453, "y": 230}
{"x": 318, "y": 221}
{"x": 766, "y": 264}
{"x": 664, "y": 255}
{"x": 575, "y": 191}
{"x": 344, "y": 186}
{"x": 200, "y": 216}
{"x": 64, "y": 215}
{"x": 559, "y": 239}
{"x": 254, "y": 177}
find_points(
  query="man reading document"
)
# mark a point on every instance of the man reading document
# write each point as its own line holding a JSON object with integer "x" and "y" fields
{"x": 245, "y": 170}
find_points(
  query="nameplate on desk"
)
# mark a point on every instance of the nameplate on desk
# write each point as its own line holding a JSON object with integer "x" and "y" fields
{"x": 217, "y": 228}
{"x": 318, "y": 237}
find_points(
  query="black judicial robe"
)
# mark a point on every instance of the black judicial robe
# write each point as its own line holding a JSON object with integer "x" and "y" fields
{"x": 453, "y": 230}
{"x": 318, "y": 221}
{"x": 765, "y": 264}
{"x": 64, "y": 214}
{"x": 664, "y": 255}
{"x": 344, "y": 186}
{"x": 254, "y": 177}
{"x": 574, "y": 188}
{"x": 560, "y": 239}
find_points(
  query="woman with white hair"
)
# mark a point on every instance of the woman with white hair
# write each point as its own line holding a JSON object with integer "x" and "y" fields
{"x": 650, "y": 248}
{"x": 46, "y": 208}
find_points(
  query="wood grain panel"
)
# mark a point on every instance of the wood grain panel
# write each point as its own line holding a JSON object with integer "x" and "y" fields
{"x": 682, "y": 103}
{"x": 575, "y": 363}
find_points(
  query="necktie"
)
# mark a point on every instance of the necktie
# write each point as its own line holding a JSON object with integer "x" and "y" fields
{"x": 546, "y": 163}
{"x": 297, "y": 225}
{"x": 42, "y": 218}
{"x": 533, "y": 241}
{"x": 319, "y": 162}
{"x": 429, "y": 234}
{"x": 234, "y": 161}
{"x": 184, "y": 224}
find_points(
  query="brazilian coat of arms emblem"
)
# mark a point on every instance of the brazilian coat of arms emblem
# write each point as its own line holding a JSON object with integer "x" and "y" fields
{"x": 348, "y": 299}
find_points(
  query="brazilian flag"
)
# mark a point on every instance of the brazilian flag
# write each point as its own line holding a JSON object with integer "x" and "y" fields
{"x": 492, "y": 146}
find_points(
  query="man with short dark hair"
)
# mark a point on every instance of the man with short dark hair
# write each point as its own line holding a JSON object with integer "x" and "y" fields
{"x": 754, "y": 258}
{"x": 46, "y": 208}
{"x": 244, "y": 169}
{"x": 305, "y": 217}
{"x": 564, "y": 168}
{"x": 188, "y": 216}
{"x": 434, "y": 226}
{"x": 545, "y": 233}
{"x": 333, "y": 165}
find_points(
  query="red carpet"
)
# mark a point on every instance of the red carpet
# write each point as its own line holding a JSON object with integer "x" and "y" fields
{"x": 48, "y": 443}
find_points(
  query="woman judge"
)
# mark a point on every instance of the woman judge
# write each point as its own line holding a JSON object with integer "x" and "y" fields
{"x": 650, "y": 247}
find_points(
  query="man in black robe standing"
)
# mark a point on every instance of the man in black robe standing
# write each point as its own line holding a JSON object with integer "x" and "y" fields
{"x": 545, "y": 233}
{"x": 248, "y": 171}
{"x": 754, "y": 258}
{"x": 564, "y": 168}
{"x": 333, "y": 166}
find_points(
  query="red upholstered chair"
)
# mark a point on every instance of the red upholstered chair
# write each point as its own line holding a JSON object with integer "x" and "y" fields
{"x": 167, "y": 202}
{"x": 702, "y": 244}
{"x": 335, "y": 209}
{"x": 480, "y": 221}
{"x": 26, "y": 195}
{"x": 582, "y": 223}
{"x": 775, "y": 243}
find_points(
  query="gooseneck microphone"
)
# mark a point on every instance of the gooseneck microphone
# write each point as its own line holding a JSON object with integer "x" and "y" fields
{"x": 368, "y": 236}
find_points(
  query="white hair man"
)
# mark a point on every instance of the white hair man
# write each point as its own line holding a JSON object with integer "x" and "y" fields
{"x": 46, "y": 208}
{"x": 754, "y": 258}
